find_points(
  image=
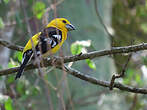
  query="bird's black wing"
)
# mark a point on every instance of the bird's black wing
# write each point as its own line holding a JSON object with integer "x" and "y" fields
{"x": 49, "y": 38}
{"x": 26, "y": 57}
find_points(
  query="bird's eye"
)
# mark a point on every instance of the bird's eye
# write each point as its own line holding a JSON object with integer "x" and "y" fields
{"x": 64, "y": 21}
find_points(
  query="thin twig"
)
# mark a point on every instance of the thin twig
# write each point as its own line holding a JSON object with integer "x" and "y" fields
{"x": 52, "y": 6}
{"x": 122, "y": 72}
{"x": 134, "y": 102}
{"x": 10, "y": 45}
{"x": 101, "y": 20}
{"x": 26, "y": 17}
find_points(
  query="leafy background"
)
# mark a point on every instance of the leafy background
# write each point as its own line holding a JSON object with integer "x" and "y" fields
{"x": 126, "y": 20}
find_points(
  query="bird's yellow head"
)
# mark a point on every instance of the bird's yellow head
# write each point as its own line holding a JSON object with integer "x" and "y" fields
{"x": 62, "y": 24}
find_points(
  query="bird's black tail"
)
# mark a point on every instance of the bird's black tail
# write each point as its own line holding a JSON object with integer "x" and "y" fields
{"x": 26, "y": 57}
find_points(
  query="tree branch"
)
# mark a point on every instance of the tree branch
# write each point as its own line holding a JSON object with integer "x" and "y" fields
{"x": 122, "y": 72}
{"x": 95, "y": 81}
{"x": 84, "y": 77}
{"x": 10, "y": 45}
{"x": 66, "y": 59}
{"x": 90, "y": 55}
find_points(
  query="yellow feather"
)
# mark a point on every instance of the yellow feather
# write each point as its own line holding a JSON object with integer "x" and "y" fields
{"x": 34, "y": 40}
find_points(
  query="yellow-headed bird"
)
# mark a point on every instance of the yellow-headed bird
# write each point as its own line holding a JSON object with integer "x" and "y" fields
{"x": 46, "y": 42}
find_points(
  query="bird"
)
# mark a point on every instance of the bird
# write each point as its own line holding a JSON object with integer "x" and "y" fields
{"x": 45, "y": 43}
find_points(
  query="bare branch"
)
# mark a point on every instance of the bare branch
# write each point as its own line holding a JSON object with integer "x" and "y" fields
{"x": 90, "y": 55}
{"x": 84, "y": 77}
{"x": 10, "y": 45}
{"x": 122, "y": 72}
{"x": 95, "y": 81}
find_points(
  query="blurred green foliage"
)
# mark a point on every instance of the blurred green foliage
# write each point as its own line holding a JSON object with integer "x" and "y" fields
{"x": 6, "y": 1}
{"x": 1, "y": 23}
{"x": 18, "y": 56}
{"x": 129, "y": 23}
{"x": 131, "y": 77}
{"x": 8, "y": 104}
{"x": 12, "y": 64}
{"x": 39, "y": 9}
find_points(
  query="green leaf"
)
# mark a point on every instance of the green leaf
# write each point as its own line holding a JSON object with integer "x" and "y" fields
{"x": 18, "y": 56}
{"x": 39, "y": 9}
{"x": 1, "y": 23}
{"x": 91, "y": 64}
{"x": 12, "y": 63}
{"x": 80, "y": 46}
{"x": 76, "y": 49}
{"x": 8, "y": 104}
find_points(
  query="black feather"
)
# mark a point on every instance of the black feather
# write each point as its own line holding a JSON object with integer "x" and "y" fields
{"x": 45, "y": 45}
{"x": 26, "y": 56}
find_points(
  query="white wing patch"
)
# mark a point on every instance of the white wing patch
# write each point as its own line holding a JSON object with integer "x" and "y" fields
{"x": 29, "y": 52}
{"x": 23, "y": 57}
{"x": 38, "y": 53}
{"x": 54, "y": 44}
{"x": 57, "y": 37}
{"x": 51, "y": 41}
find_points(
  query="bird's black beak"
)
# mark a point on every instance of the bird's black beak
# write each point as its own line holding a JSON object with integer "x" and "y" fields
{"x": 70, "y": 27}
